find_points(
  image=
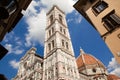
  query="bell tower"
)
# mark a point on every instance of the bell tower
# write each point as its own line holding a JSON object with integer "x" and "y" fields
{"x": 59, "y": 60}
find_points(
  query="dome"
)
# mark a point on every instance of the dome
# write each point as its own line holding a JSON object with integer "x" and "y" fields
{"x": 87, "y": 59}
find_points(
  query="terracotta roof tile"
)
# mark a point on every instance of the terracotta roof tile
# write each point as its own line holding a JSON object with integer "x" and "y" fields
{"x": 87, "y": 59}
{"x": 113, "y": 77}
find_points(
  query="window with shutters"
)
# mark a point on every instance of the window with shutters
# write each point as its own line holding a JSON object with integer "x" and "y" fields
{"x": 111, "y": 21}
{"x": 99, "y": 7}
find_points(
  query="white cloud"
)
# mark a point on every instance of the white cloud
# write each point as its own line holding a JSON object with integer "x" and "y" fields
{"x": 36, "y": 29}
{"x": 75, "y": 18}
{"x": 9, "y": 47}
{"x": 15, "y": 50}
{"x": 78, "y": 19}
{"x": 114, "y": 67}
{"x": 19, "y": 51}
{"x": 65, "y": 5}
{"x": 8, "y": 37}
{"x": 35, "y": 17}
{"x": 13, "y": 43}
{"x": 14, "y": 64}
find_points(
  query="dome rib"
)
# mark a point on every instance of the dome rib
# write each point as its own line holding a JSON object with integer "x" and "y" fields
{"x": 87, "y": 59}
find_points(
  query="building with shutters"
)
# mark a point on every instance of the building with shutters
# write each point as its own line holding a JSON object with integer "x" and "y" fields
{"x": 104, "y": 16}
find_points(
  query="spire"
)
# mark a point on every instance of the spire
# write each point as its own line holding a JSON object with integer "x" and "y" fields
{"x": 81, "y": 51}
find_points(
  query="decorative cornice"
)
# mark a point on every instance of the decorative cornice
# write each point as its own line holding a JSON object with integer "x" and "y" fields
{"x": 53, "y": 9}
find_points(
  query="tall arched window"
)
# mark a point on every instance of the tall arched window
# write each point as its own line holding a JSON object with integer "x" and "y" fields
{"x": 53, "y": 44}
{"x": 51, "y": 18}
{"x": 63, "y": 43}
{"x": 49, "y": 32}
{"x": 60, "y": 18}
{"x": 67, "y": 45}
{"x": 64, "y": 31}
{"x": 52, "y": 29}
{"x": 49, "y": 46}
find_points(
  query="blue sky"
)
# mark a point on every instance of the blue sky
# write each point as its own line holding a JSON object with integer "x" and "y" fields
{"x": 30, "y": 31}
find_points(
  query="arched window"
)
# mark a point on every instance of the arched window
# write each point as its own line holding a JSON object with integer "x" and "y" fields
{"x": 52, "y": 43}
{"x": 60, "y": 18}
{"x": 63, "y": 43}
{"x": 49, "y": 46}
{"x": 51, "y": 18}
{"x": 67, "y": 45}
{"x": 60, "y": 29}
{"x": 52, "y": 29}
{"x": 49, "y": 32}
{"x": 64, "y": 31}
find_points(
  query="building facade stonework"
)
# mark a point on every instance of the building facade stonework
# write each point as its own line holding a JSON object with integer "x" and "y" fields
{"x": 59, "y": 62}
{"x": 30, "y": 66}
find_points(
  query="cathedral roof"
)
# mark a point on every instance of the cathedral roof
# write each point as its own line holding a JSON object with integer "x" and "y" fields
{"x": 87, "y": 59}
{"x": 112, "y": 77}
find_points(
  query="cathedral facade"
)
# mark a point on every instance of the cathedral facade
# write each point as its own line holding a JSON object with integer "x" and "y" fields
{"x": 59, "y": 62}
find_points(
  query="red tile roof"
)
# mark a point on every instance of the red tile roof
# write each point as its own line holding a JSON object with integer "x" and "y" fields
{"x": 87, "y": 59}
{"x": 113, "y": 77}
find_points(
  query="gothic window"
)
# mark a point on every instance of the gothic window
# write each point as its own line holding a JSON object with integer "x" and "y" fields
{"x": 111, "y": 21}
{"x": 63, "y": 43}
{"x": 67, "y": 45}
{"x": 51, "y": 18}
{"x": 49, "y": 46}
{"x": 53, "y": 43}
{"x": 64, "y": 31}
{"x": 60, "y": 18}
{"x": 60, "y": 29}
{"x": 49, "y": 32}
{"x": 99, "y": 7}
{"x": 52, "y": 30}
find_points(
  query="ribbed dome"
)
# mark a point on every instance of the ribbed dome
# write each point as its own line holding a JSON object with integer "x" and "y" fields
{"x": 87, "y": 59}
